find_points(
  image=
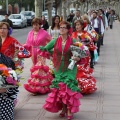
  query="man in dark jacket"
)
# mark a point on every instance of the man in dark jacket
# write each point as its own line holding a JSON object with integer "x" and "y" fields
{"x": 70, "y": 17}
{"x": 8, "y": 21}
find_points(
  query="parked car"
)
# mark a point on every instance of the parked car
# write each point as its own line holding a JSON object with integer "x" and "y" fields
{"x": 45, "y": 13}
{"x": 18, "y": 20}
{"x": 29, "y": 15}
{"x": 2, "y": 17}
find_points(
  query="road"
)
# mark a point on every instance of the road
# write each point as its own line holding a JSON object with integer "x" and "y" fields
{"x": 21, "y": 34}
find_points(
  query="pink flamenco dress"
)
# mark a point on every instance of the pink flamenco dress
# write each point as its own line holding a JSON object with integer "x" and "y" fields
{"x": 41, "y": 77}
{"x": 64, "y": 88}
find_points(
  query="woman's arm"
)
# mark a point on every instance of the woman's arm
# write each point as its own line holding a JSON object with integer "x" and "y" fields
{"x": 49, "y": 46}
{"x": 27, "y": 44}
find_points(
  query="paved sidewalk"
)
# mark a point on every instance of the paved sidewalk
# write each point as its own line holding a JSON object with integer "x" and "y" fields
{"x": 104, "y": 104}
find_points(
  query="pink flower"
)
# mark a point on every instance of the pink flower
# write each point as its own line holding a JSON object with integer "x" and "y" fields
{"x": 10, "y": 80}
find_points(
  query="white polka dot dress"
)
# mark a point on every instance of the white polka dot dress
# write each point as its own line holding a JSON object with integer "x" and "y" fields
{"x": 6, "y": 109}
{"x": 7, "y": 104}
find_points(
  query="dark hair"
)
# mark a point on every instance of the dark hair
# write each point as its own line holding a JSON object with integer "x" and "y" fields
{"x": 37, "y": 21}
{"x": 53, "y": 21}
{"x": 66, "y": 23}
{"x": 101, "y": 11}
{"x": 7, "y": 14}
{"x": 95, "y": 12}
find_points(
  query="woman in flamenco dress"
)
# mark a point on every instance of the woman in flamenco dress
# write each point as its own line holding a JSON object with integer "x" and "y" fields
{"x": 86, "y": 82}
{"x": 65, "y": 94}
{"x": 40, "y": 78}
{"x": 9, "y": 49}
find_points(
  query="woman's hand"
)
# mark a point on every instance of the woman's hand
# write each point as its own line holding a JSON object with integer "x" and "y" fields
{"x": 2, "y": 90}
{"x": 76, "y": 58}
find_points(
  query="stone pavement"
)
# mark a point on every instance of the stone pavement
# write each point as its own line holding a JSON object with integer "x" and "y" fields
{"x": 104, "y": 104}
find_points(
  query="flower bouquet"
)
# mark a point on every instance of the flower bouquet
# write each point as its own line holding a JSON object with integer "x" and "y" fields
{"x": 78, "y": 50}
{"x": 8, "y": 77}
{"x": 94, "y": 35}
{"x": 87, "y": 40}
{"x": 84, "y": 38}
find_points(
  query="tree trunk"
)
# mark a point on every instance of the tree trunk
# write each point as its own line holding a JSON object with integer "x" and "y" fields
{"x": 64, "y": 9}
{"x": 59, "y": 9}
{"x": 50, "y": 11}
{"x": 38, "y": 8}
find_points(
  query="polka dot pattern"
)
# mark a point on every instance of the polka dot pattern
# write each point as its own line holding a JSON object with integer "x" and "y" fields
{"x": 6, "y": 109}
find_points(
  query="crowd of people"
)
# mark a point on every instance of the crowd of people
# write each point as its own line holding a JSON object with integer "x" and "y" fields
{"x": 73, "y": 48}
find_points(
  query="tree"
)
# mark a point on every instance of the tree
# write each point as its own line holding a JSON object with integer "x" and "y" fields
{"x": 38, "y": 8}
{"x": 49, "y": 4}
{"x": 3, "y": 4}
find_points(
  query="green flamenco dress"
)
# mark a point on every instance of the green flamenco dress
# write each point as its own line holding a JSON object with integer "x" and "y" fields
{"x": 64, "y": 88}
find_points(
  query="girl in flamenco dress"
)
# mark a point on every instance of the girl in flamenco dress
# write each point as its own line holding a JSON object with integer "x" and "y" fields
{"x": 65, "y": 94}
{"x": 40, "y": 78}
{"x": 86, "y": 82}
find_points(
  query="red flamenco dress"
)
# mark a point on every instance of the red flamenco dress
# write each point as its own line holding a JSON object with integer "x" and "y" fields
{"x": 86, "y": 82}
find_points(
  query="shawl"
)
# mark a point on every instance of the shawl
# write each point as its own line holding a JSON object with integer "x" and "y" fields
{"x": 7, "y": 48}
{"x": 42, "y": 38}
{"x": 58, "y": 53}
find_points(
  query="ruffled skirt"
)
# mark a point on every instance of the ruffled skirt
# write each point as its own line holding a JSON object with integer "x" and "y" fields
{"x": 62, "y": 95}
{"x": 40, "y": 79}
{"x": 86, "y": 82}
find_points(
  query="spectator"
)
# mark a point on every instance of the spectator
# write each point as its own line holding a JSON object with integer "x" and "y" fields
{"x": 8, "y": 21}
{"x": 45, "y": 25}
{"x": 70, "y": 17}
{"x": 111, "y": 19}
{"x": 54, "y": 30}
